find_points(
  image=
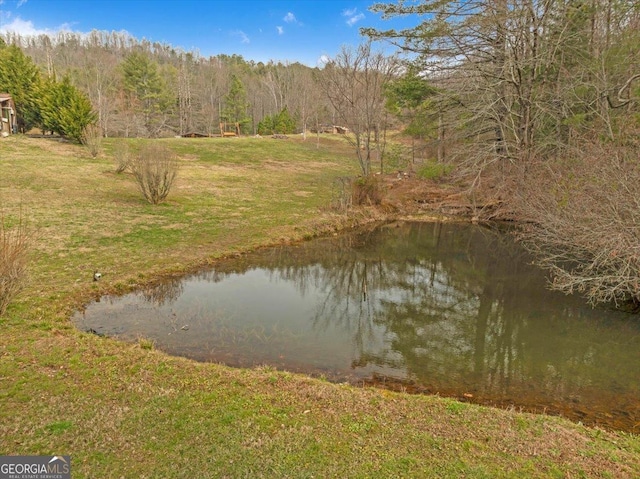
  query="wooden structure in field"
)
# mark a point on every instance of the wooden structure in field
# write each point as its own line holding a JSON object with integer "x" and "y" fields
{"x": 8, "y": 120}
{"x": 229, "y": 129}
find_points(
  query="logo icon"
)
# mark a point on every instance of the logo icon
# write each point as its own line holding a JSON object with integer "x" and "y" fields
{"x": 35, "y": 467}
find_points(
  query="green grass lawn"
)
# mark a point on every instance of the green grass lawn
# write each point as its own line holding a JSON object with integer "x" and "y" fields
{"x": 127, "y": 410}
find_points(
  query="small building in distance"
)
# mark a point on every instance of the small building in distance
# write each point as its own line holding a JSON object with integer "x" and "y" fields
{"x": 8, "y": 121}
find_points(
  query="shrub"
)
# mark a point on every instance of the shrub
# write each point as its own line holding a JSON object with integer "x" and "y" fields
{"x": 397, "y": 158}
{"x": 367, "y": 190}
{"x": 155, "y": 169}
{"x": 15, "y": 244}
{"x": 92, "y": 139}
{"x": 122, "y": 156}
{"x": 584, "y": 222}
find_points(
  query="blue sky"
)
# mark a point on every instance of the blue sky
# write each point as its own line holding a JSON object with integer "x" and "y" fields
{"x": 259, "y": 30}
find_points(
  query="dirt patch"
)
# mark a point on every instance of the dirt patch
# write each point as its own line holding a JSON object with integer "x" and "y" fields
{"x": 412, "y": 195}
{"x": 407, "y": 194}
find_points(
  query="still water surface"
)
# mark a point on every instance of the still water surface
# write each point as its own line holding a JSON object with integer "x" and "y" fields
{"x": 451, "y": 309}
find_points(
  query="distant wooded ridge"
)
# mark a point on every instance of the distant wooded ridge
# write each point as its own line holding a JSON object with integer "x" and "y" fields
{"x": 174, "y": 91}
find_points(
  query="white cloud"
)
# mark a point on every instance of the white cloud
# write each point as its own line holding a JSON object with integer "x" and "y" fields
{"x": 20, "y": 3}
{"x": 26, "y": 27}
{"x": 323, "y": 60}
{"x": 355, "y": 19}
{"x": 290, "y": 18}
{"x": 352, "y": 16}
{"x": 23, "y": 27}
{"x": 243, "y": 36}
{"x": 280, "y": 30}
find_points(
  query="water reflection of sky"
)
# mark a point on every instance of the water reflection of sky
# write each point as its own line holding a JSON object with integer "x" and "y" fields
{"x": 455, "y": 308}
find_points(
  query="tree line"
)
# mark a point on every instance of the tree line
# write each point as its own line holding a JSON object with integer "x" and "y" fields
{"x": 140, "y": 88}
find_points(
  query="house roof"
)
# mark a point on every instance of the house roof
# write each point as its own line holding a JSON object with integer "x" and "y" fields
{"x": 4, "y": 97}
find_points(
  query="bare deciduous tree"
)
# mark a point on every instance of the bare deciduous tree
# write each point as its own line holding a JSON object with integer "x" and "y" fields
{"x": 354, "y": 83}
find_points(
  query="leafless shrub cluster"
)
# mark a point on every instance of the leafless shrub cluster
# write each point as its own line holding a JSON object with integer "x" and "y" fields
{"x": 121, "y": 156}
{"x": 585, "y": 229}
{"x": 348, "y": 192}
{"x": 366, "y": 190}
{"x": 15, "y": 245}
{"x": 155, "y": 169}
{"x": 92, "y": 139}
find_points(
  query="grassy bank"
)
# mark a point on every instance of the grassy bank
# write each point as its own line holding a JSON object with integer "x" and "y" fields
{"x": 123, "y": 410}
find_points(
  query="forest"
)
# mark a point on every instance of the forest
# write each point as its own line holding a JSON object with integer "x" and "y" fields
{"x": 143, "y": 89}
{"x": 534, "y": 105}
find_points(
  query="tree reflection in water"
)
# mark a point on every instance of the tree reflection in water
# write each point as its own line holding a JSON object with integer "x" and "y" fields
{"x": 454, "y": 309}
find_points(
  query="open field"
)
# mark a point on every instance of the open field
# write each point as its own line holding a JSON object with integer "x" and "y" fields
{"x": 123, "y": 410}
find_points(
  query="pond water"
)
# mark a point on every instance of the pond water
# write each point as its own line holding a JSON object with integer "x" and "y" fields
{"x": 450, "y": 309}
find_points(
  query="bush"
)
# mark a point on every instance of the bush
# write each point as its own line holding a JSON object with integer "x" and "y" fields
{"x": 92, "y": 139}
{"x": 584, "y": 213}
{"x": 367, "y": 190}
{"x": 155, "y": 169}
{"x": 396, "y": 158}
{"x": 15, "y": 244}
{"x": 122, "y": 156}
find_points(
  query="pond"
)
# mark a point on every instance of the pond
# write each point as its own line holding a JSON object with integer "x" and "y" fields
{"x": 450, "y": 309}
